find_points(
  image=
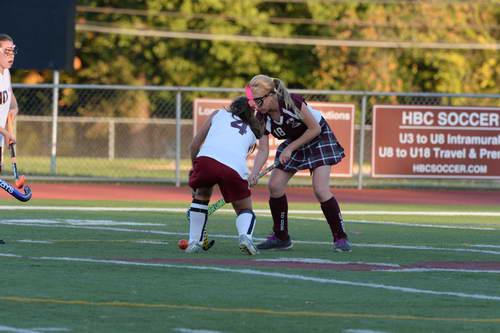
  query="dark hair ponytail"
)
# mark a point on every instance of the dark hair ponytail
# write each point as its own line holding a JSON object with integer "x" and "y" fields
{"x": 242, "y": 109}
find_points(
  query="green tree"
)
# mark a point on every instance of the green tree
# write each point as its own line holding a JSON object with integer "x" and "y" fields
{"x": 121, "y": 58}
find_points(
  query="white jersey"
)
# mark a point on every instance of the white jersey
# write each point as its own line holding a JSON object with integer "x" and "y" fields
{"x": 5, "y": 96}
{"x": 228, "y": 142}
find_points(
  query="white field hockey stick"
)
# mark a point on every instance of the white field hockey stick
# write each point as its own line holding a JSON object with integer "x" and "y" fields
{"x": 221, "y": 202}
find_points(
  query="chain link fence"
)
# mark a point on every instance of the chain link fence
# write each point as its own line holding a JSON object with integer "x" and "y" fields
{"x": 142, "y": 133}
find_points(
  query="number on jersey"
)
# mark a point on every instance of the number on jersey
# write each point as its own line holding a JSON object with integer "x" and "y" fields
{"x": 239, "y": 124}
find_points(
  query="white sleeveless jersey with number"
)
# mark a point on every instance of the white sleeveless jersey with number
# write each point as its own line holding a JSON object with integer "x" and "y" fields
{"x": 228, "y": 142}
{"x": 5, "y": 96}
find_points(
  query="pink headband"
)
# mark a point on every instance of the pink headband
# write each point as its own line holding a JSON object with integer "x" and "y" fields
{"x": 251, "y": 102}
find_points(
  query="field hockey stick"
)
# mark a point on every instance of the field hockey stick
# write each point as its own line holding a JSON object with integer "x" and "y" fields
{"x": 207, "y": 244}
{"x": 19, "y": 180}
{"x": 221, "y": 202}
{"x": 15, "y": 193}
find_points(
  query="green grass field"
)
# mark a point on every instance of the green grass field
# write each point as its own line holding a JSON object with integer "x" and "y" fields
{"x": 109, "y": 266}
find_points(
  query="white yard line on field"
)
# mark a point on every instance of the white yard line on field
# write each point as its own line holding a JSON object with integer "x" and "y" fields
{"x": 34, "y": 241}
{"x": 151, "y": 242}
{"x": 9, "y": 255}
{"x": 275, "y": 275}
{"x": 404, "y": 224}
{"x": 420, "y": 225}
{"x": 79, "y": 222}
{"x": 361, "y": 331}
{"x": 94, "y": 209}
{"x": 159, "y": 232}
{"x": 412, "y": 247}
{"x": 421, "y": 213}
{"x": 485, "y": 245}
{"x": 32, "y": 330}
{"x": 326, "y": 261}
{"x": 190, "y": 330}
{"x": 259, "y": 211}
{"x": 16, "y": 330}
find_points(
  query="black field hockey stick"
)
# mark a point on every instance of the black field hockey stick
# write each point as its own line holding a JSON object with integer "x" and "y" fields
{"x": 15, "y": 192}
{"x": 19, "y": 180}
{"x": 221, "y": 202}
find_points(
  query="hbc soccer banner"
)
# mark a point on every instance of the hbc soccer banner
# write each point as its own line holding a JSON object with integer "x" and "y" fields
{"x": 436, "y": 142}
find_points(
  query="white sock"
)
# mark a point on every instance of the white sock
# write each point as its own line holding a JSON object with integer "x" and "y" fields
{"x": 197, "y": 219}
{"x": 245, "y": 222}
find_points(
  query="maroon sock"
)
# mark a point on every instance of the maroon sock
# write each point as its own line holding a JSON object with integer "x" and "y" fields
{"x": 333, "y": 216}
{"x": 279, "y": 211}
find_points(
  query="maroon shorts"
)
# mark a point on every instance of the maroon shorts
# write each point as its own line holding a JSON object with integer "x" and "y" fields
{"x": 207, "y": 172}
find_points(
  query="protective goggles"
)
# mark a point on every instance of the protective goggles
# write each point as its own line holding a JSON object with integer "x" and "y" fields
{"x": 255, "y": 102}
{"x": 11, "y": 51}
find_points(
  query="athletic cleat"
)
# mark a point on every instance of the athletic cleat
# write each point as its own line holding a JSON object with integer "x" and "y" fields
{"x": 246, "y": 246}
{"x": 193, "y": 247}
{"x": 342, "y": 245}
{"x": 274, "y": 243}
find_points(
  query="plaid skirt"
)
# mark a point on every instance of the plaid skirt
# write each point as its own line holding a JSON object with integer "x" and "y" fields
{"x": 322, "y": 150}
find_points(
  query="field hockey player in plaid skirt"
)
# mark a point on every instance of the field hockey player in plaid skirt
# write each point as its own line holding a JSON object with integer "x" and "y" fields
{"x": 309, "y": 144}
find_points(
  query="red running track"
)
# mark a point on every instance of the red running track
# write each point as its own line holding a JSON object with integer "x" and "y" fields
{"x": 294, "y": 194}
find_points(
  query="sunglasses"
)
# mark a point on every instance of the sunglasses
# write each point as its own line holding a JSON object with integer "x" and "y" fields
{"x": 260, "y": 100}
{"x": 9, "y": 52}
{"x": 255, "y": 102}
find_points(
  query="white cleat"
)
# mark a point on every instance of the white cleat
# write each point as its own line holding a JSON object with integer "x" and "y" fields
{"x": 193, "y": 247}
{"x": 246, "y": 246}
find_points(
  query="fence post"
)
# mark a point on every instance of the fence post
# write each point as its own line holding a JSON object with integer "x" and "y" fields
{"x": 111, "y": 139}
{"x": 55, "y": 99}
{"x": 362, "y": 142}
{"x": 178, "y": 102}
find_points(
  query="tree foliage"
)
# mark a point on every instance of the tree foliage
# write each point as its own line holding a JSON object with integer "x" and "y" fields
{"x": 111, "y": 58}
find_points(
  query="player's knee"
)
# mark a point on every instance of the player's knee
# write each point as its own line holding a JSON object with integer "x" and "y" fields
{"x": 275, "y": 189}
{"x": 322, "y": 194}
{"x": 203, "y": 193}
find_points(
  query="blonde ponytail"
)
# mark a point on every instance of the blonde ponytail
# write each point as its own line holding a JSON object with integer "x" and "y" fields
{"x": 284, "y": 94}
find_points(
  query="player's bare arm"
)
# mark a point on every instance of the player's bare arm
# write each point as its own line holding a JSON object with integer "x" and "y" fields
{"x": 13, "y": 110}
{"x": 260, "y": 159}
{"x": 13, "y": 106}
